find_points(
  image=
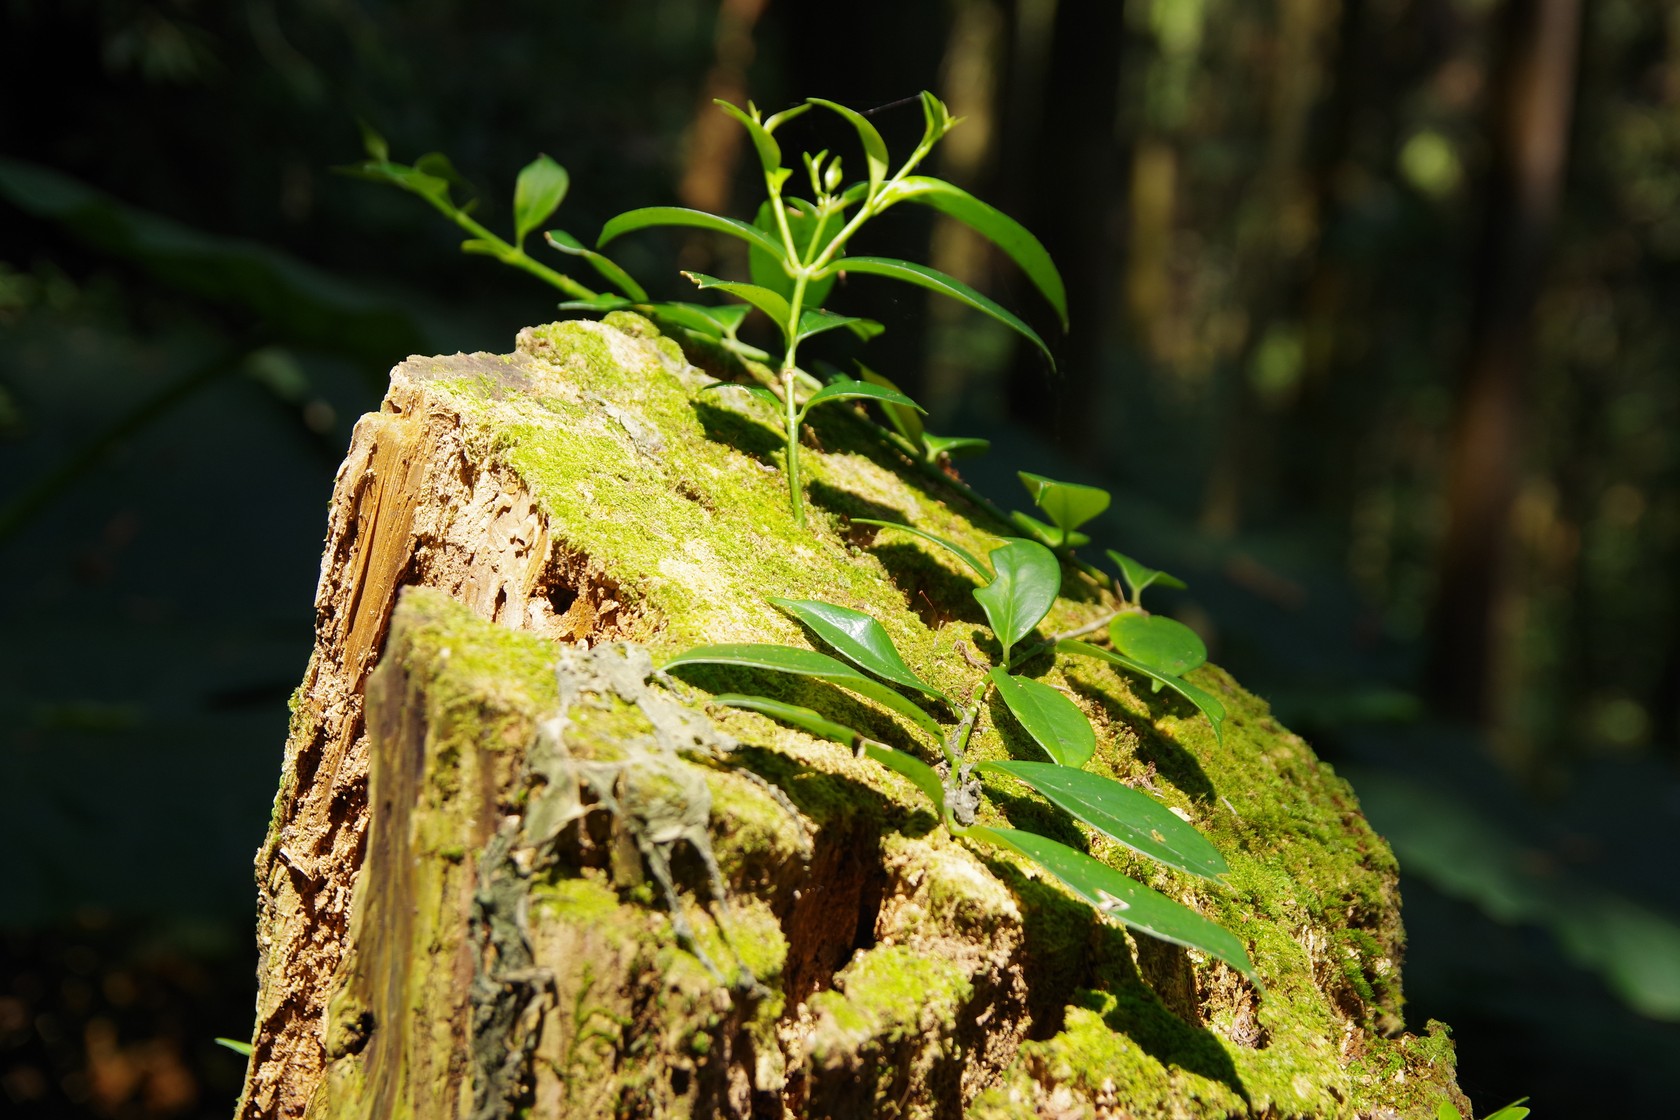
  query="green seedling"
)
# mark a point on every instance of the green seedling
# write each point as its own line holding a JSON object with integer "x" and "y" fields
{"x": 1139, "y": 576}
{"x": 1019, "y": 586}
{"x": 798, "y": 247}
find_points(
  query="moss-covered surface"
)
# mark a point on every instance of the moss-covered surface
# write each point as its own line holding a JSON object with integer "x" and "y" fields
{"x": 905, "y": 973}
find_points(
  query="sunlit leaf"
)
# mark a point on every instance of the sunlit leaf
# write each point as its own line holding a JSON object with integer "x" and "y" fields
{"x": 995, "y": 226}
{"x": 1206, "y": 702}
{"x": 858, "y": 638}
{"x": 1028, "y": 577}
{"x": 962, "y": 554}
{"x": 1133, "y": 818}
{"x": 936, "y": 281}
{"x": 606, "y": 301}
{"x": 537, "y": 194}
{"x": 241, "y": 1048}
{"x": 650, "y": 216}
{"x": 906, "y": 421}
{"x": 1068, "y": 504}
{"x": 1048, "y": 535}
{"x": 874, "y": 148}
{"x": 938, "y": 117}
{"x": 1159, "y": 642}
{"x": 1054, "y": 721}
{"x": 806, "y": 663}
{"x": 1139, "y": 576}
{"x": 846, "y": 389}
{"x": 719, "y": 321}
{"x": 764, "y": 299}
{"x": 1126, "y": 901}
{"x": 911, "y": 767}
{"x": 777, "y": 120}
{"x": 803, "y": 718}
{"x": 769, "y": 152}
{"x": 608, "y": 269}
{"x": 816, "y": 322}
{"x": 955, "y": 447}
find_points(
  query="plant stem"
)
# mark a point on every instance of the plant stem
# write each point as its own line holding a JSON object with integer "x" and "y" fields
{"x": 512, "y": 254}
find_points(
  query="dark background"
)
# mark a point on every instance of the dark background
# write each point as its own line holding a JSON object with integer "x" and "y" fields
{"x": 1374, "y": 338}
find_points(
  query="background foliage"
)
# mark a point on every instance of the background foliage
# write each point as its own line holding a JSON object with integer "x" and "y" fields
{"x": 1318, "y": 259}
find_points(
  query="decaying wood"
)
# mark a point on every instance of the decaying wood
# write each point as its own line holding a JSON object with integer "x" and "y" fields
{"x": 422, "y": 953}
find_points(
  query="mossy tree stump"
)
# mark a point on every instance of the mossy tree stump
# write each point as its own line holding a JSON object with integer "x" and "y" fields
{"x": 582, "y": 491}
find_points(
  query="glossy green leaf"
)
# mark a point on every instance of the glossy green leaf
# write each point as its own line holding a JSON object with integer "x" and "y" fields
{"x": 242, "y": 1048}
{"x": 955, "y": 447}
{"x": 845, "y": 389}
{"x": 858, "y": 638}
{"x": 803, "y": 718}
{"x": 537, "y": 194}
{"x": 764, "y": 299}
{"x": 995, "y": 226}
{"x": 714, "y": 321}
{"x": 769, "y": 152}
{"x": 769, "y": 270}
{"x": 1048, "y": 535}
{"x": 874, "y": 148}
{"x": 816, "y": 322}
{"x": 649, "y": 217}
{"x": 1028, "y": 577}
{"x": 1159, "y": 642}
{"x": 1068, "y": 504}
{"x": 604, "y": 302}
{"x": 938, "y": 117}
{"x": 609, "y": 270}
{"x": 963, "y": 554}
{"x": 911, "y": 767}
{"x": 807, "y": 663}
{"x": 777, "y": 120}
{"x": 1209, "y": 704}
{"x": 1133, "y": 818}
{"x": 1139, "y": 576}
{"x": 1126, "y": 901}
{"x": 1054, "y": 721}
{"x": 936, "y": 281}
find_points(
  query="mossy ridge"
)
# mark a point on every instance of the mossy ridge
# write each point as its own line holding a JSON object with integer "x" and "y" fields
{"x": 1302, "y": 863}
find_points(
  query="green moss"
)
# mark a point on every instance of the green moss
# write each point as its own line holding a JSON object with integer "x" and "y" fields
{"x": 887, "y": 994}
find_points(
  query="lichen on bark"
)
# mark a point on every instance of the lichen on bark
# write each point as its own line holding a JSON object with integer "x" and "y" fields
{"x": 583, "y": 490}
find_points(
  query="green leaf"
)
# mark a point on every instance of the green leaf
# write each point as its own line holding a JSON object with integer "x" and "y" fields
{"x": 817, "y": 321}
{"x": 764, "y": 299}
{"x": 907, "y": 421}
{"x": 720, "y": 321}
{"x": 1159, "y": 642}
{"x": 373, "y": 143}
{"x": 955, "y": 447}
{"x": 936, "y": 281}
{"x": 963, "y": 554}
{"x": 1208, "y": 703}
{"x": 1068, "y": 504}
{"x": 806, "y": 663}
{"x": 769, "y": 152}
{"x": 1134, "y": 819}
{"x": 1512, "y": 1111}
{"x": 874, "y": 148}
{"x": 1022, "y": 592}
{"x": 803, "y": 718}
{"x": 606, "y": 301}
{"x": 650, "y": 216}
{"x": 769, "y": 270}
{"x": 858, "y": 638}
{"x": 238, "y": 1047}
{"x": 758, "y": 391}
{"x": 845, "y": 389}
{"x": 537, "y": 194}
{"x": 913, "y": 768}
{"x": 777, "y": 120}
{"x": 938, "y": 117}
{"x": 1139, "y": 576}
{"x": 1047, "y": 535}
{"x": 1054, "y": 721}
{"x": 992, "y": 224}
{"x": 609, "y": 270}
{"x": 1126, "y": 901}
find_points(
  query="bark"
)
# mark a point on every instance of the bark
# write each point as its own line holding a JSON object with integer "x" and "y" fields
{"x": 448, "y": 928}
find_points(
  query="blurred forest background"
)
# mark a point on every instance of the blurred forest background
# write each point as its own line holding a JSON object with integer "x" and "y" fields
{"x": 1374, "y": 336}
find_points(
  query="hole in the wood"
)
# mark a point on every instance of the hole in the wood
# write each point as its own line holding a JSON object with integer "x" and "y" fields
{"x": 679, "y": 1081}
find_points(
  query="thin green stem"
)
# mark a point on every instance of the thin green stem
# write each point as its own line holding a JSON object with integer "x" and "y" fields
{"x": 1049, "y": 643}
{"x": 509, "y": 253}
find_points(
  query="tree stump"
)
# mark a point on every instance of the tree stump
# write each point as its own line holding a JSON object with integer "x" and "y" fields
{"x": 453, "y": 925}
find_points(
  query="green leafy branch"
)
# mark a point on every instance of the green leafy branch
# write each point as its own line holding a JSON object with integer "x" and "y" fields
{"x": 798, "y": 248}
{"x": 1020, "y": 580}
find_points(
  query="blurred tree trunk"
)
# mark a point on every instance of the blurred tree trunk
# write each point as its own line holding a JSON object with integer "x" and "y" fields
{"x": 1531, "y": 99}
